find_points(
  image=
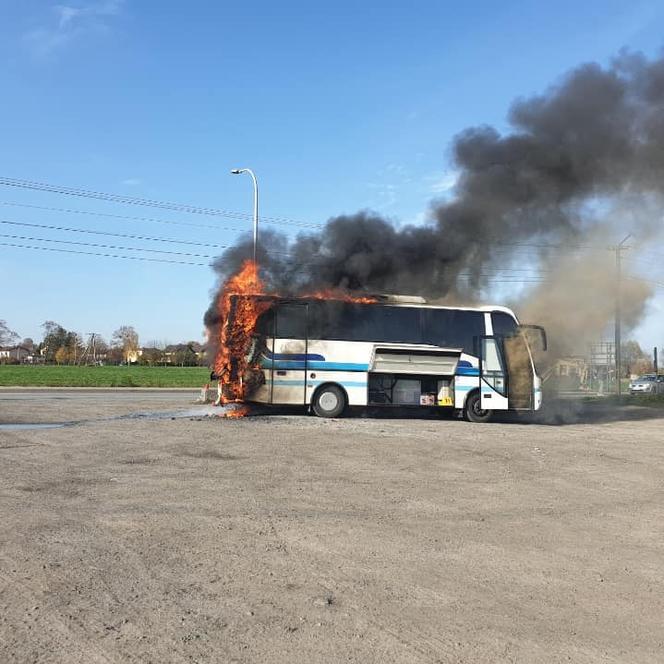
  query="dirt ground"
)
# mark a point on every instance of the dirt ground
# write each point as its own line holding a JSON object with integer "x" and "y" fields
{"x": 287, "y": 538}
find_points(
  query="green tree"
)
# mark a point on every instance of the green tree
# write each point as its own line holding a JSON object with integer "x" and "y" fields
{"x": 55, "y": 337}
{"x": 185, "y": 356}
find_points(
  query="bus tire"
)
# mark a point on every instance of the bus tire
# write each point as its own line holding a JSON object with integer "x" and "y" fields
{"x": 329, "y": 401}
{"x": 473, "y": 411}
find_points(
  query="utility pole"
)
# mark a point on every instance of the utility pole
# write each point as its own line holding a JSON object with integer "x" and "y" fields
{"x": 654, "y": 354}
{"x": 619, "y": 248}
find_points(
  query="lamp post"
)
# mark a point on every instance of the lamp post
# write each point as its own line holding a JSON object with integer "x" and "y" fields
{"x": 237, "y": 171}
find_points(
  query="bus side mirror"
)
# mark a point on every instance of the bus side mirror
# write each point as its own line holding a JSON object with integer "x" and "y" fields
{"x": 536, "y": 336}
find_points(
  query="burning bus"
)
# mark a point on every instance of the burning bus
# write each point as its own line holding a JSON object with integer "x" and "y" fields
{"x": 328, "y": 352}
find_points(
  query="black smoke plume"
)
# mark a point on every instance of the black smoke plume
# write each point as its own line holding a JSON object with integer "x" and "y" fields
{"x": 574, "y": 154}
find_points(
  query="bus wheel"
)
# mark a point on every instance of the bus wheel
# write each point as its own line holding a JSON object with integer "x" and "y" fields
{"x": 329, "y": 401}
{"x": 473, "y": 412}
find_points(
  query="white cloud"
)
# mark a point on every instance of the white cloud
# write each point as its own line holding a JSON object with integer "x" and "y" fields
{"x": 132, "y": 182}
{"x": 70, "y": 22}
{"x": 443, "y": 182}
{"x": 66, "y": 15}
{"x": 418, "y": 219}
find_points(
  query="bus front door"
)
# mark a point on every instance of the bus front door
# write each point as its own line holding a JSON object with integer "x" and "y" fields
{"x": 520, "y": 372}
{"x": 288, "y": 371}
{"x": 493, "y": 376}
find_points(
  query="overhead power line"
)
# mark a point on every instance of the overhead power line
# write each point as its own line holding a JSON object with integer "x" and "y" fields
{"x": 486, "y": 272}
{"x": 491, "y": 277}
{"x": 108, "y": 233}
{"x": 95, "y": 253}
{"x": 10, "y": 222}
{"x": 71, "y": 191}
{"x": 103, "y": 246}
{"x": 70, "y": 229}
{"x": 658, "y": 284}
{"x": 130, "y": 200}
{"x": 124, "y": 216}
{"x": 645, "y": 261}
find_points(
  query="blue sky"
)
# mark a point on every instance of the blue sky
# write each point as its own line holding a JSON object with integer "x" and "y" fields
{"x": 336, "y": 106}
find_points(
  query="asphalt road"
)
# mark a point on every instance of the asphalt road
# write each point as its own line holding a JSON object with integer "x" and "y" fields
{"x": 134, "y": 537}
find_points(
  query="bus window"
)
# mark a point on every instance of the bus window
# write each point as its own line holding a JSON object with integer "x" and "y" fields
{"x": 292, "y": 321}
{"x": 348, "y": 321}
{"x": 399, "y": 325}
{"x": 504, "y": 325}
{"x": 386, "y": 324}
{"x": 265, "y": 323}
{"x": 326, "y": 319}
{"x": 453, "y": 328}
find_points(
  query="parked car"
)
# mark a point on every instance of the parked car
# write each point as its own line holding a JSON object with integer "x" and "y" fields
{"x": 647, "y": 384}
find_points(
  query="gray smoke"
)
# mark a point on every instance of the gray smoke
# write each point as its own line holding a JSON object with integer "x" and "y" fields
{"x": 591, "y": 145}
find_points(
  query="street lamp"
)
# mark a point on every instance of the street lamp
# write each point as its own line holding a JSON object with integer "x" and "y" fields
{"x": 237, "y": 171}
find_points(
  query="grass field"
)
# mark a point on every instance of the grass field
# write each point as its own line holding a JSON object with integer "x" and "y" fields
{"x": 66, "y": 376}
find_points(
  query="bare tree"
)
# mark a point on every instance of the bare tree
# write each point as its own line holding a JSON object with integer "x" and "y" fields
{"x": 159, "y": 344}
{"x": 634, "y": 359}
{"x": 125, "y": 338}
{"x": 7, "y": 336}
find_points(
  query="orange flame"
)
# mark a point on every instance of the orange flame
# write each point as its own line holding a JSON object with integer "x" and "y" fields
{"x": 343, "y": 296}
{"x": 236, "y": 413}
{"x": 238, "y": 317}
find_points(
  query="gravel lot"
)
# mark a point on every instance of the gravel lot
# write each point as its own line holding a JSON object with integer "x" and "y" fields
{"x": 294, "y": 539}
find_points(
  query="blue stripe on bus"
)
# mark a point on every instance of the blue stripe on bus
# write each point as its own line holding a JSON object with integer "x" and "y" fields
{"x": 310, "y": 383}
{"x": 293, "y": 357}
{"x": 294, "y": 365}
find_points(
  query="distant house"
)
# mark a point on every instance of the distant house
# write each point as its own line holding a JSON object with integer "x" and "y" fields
{"x": 187, "y": 354}
{"x": 14, "y": 354}
{"x": 132, "y": 356}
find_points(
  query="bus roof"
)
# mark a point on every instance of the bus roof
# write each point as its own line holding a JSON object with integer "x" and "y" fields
{"x": 485, "y": 308}
{"x": 404, "y": 301}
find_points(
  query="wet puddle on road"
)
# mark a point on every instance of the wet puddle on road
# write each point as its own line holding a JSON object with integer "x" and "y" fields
{"x": 26, "y": 426}
{"x": 198, "y": 412}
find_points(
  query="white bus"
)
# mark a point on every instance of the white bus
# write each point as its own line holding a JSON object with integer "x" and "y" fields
{"x": 331, "y": 354}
